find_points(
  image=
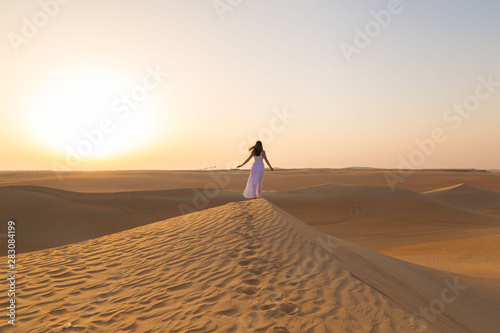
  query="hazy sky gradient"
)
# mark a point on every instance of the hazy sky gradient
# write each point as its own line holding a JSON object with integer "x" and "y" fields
{"x": 226, "y": 79}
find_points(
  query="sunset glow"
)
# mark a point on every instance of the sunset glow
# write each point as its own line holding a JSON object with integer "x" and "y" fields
{"x": 364, "y": 83}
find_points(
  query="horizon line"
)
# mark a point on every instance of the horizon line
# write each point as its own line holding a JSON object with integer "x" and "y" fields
{"x": 276, "y": 168}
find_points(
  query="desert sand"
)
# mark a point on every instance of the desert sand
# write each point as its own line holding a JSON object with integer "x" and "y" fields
{"x": 325, "y": 250}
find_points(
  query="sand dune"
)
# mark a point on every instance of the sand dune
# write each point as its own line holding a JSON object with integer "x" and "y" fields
{"x": 378, "y": 218}
{"x": 285, "y": 179}
{"x": 251, "y": 266}
{"x": 403, "y": 224}
{"x": 475, "y": 254}
{"x": 50, "y": 217}
{"x": 468, "y": 197}
{"x": 378, "y": 201}
{"x": 246, "y": 266}
{"x": 352, "y": 212}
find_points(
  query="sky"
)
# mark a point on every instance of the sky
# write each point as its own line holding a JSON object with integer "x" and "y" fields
{"x": 164, "y": 84}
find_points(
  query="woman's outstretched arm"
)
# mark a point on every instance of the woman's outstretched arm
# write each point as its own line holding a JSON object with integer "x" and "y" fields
{"x": 248, "y": 159}
{"x": 265, "y": 158}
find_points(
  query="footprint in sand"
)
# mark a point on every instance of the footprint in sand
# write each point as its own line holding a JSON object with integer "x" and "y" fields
{"x": 247, "y": 290}
{"x": 275, "y": 309}
{"x": 257, "y": 270}
{"x": 252, "y": 282}
{"x": 248, "y": 253}
{"x": 244, "y": 262}
{"x": 267, "y": 306}
{"x": 246, "y": 235}
{"x": 288, "y": 308}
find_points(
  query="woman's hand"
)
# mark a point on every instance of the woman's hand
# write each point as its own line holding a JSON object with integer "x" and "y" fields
{"x": 239, "y": 166}
{"x": 272, "y": 169}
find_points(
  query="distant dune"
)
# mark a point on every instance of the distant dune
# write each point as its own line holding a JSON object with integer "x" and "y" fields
{"x": 283, "y": 179}
{"x": 57, "y": 217}
{"x": 241, "y": 266}
{"x": 359, "y": 213}
{"x": 468, "y": 197}
{"x": 49, "y": 217}
{"x": 182, "y": 251}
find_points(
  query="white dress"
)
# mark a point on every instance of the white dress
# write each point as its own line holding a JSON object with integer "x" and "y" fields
{"x": 256, "y": 178}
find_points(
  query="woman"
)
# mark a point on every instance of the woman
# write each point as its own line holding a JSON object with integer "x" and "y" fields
{"x": 256, "y": 178}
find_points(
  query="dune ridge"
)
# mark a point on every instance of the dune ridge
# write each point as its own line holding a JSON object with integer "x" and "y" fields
{"x": 284, "y": 179}
{"x": 58, "y": 217}
{"x": 123, "y": 261}
{"x": 51, "y": 217}
{"x": 383, "y": 202}
{"x": 242, "y": 266}
{"x": 468, "y": 197}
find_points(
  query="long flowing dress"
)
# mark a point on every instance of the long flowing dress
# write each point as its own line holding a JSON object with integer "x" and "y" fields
{"x": 256, "y": 178}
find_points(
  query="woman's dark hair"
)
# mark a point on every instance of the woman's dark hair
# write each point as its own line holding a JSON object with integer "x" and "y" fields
{"x": 256, "y": 149}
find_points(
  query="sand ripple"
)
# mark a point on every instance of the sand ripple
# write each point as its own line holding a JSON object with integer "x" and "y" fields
{"x": 242, "y": 267}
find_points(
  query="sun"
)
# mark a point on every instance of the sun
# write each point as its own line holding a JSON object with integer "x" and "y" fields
{"x": 93, "y": 114}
